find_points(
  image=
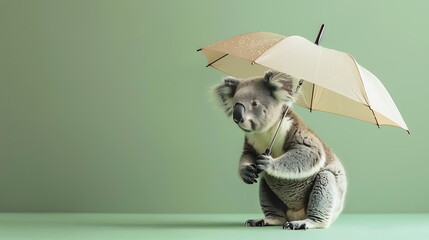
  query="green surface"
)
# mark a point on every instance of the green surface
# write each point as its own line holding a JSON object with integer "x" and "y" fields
{"x": 105, "y": 107}
{"x": 203, "y": 226}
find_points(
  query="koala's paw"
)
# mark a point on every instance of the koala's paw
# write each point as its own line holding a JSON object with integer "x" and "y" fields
{"x": 295, "y": 225}
{"x": 249, "y": 173}
{"x": 263, "y": 162}
{"x": 255, "y": 223}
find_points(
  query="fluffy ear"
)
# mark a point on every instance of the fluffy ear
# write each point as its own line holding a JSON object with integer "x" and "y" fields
{"x": 224, "y": 93}
{"x": 284, "y": 86}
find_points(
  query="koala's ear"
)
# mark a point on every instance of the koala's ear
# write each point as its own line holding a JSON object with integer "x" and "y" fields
{"x": 283, "y": 86}
{"x": 224, "y": 93}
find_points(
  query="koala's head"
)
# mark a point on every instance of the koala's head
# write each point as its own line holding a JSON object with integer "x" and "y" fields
{"x": 256, "y": 104}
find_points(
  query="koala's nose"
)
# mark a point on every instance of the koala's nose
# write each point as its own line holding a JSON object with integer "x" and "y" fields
{"x": 238, "y": 113}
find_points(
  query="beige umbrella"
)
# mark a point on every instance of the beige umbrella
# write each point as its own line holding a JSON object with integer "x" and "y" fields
{"x": 334, "y": 81}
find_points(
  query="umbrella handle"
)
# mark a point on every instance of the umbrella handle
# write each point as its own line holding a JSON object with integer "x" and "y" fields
{"x": 267, "y": 152}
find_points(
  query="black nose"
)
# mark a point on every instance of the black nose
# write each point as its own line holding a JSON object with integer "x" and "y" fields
{"x": 238, "y": 113}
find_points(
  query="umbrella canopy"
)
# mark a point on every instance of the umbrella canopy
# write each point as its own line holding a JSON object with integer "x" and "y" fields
{"x": 334, "y": 81}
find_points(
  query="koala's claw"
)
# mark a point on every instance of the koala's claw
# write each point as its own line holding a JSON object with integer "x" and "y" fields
{"x": 249, "y": 174}
{"x": 286, "y": 225}
{"x": 252, "y": 168}
{"x": 295, "y": 226}
{"x": 255, "y": 223}
{"x": 250, "y": 181}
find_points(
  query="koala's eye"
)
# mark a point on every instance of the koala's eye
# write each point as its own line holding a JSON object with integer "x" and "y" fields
{"x": 255, "y": 103}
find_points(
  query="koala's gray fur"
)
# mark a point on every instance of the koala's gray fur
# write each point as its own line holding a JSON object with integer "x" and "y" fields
{"x": 303, "y": 184}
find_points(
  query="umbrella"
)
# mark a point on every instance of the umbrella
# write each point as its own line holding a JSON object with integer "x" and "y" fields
{"x": 333, "y": 80}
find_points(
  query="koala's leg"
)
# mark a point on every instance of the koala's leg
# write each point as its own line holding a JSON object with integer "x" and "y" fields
{"x": 322, "y": 204}
{"x": 272, "y": 207}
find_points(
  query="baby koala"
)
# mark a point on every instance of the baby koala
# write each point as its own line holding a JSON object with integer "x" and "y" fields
{"x": 302, "y": 183}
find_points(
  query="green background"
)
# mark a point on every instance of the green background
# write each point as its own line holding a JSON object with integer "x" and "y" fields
{"x": 105, "y": 106}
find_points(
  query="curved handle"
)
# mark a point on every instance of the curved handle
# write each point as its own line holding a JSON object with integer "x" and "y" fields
{"x": 267, "y": 152}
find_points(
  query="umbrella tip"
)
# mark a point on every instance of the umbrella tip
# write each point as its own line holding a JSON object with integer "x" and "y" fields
{"x": 319, "y": 35}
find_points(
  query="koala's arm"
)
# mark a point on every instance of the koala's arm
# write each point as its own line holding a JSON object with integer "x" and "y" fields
{"x": 247, "y": 168}
{"x": 248, "y": 156}
{"x": 304, "y": 157}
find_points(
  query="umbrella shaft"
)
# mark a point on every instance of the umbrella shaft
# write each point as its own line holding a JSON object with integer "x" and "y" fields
{"x": 268, "y": 151}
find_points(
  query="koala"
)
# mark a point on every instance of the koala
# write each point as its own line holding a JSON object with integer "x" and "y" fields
{"x": 302, "y": 184}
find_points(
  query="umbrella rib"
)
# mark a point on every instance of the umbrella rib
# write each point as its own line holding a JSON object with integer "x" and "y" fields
{"x": 319, "y": 36}
{"x": 373, "y": 113}
{"x": 365, "y": 94}
{"x": 311, "y": 99}
{"x": 315, "y": 74}
{"x": 208, "y": 65}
